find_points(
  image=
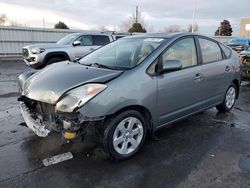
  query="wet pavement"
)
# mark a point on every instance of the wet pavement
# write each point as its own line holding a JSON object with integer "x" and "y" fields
{"x": 205, "y": 150}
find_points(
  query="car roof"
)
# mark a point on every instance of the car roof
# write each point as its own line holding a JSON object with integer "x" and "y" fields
{"x": 166, "y": 35}
{"x": 90, "y": 33}
{"x": 148, "y": 35}
{"x": 159, "y": 35}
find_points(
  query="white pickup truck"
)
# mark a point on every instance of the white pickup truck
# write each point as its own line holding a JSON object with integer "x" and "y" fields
{"x": 70, "y": 47}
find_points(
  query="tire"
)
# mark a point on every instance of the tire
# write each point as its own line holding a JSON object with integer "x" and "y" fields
{"x": 124, "y": 134}
{"x": 54, "y": 60}
{"x": 231, "y": 95}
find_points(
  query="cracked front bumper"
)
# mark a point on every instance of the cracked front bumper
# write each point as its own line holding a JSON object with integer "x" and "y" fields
{"x": 34, "y": 124}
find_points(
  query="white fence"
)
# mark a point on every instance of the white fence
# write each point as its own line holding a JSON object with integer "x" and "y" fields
{"x": 12, "y": 39}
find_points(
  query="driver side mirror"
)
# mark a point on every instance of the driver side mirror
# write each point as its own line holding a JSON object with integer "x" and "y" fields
{"x": 170, "y": 65}
{"x": 77, "y": 43}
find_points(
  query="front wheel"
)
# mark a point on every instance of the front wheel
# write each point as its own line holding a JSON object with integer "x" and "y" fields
{"x": 229, "y": 99}
{"x": 124, "y": 134}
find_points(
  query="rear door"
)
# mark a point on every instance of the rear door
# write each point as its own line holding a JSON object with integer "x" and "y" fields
{"x": 179, "y": 91}
{"x": 216, "y": 70}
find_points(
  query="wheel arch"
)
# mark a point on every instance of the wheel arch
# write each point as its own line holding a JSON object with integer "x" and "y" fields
{"x": 50, "y": 55}
{"x": 143, "y": 110}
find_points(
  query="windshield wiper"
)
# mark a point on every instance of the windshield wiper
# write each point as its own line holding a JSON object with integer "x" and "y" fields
{"x": 101, "y": 65}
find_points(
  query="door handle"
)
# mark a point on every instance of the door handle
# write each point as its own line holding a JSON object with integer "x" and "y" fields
{"x": 227, "y": 69}
{"x": 92, "y": 49}
{"x": 198, "y": 77}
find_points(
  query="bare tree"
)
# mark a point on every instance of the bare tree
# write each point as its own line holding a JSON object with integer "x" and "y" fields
{"x": 134, "y": 18}
{"x": 172, "y": 29}
{"x": 103, "y": 29}
{"x": 15, "y": 23}
{"x": 3, "y": 19}
{"x": 190, "y": 26}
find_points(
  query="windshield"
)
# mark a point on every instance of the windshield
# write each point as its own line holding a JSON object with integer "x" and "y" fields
{"x": 124, "y": 53}
{"x": 68, "y": 39}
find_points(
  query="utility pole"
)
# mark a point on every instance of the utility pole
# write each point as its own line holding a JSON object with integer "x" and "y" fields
{"x": 194, "y": 12}
{"x": 136, "y": 15}
{"x": 43, "y": 24}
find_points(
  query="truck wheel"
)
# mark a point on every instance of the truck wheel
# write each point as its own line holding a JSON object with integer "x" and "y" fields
{"x": 229, "y": 99}
{"x": 54, "y": 60}
{"x": 124, "y": 134}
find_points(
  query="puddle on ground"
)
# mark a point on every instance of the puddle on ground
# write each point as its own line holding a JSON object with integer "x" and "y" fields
{"x": 244, "y": 162}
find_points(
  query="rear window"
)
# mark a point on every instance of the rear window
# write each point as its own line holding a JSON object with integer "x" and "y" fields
{"x": 210, "y": 51}
{"x": 100, "y": 40}
{"x": 226, "y": 50}
{"x": 118, "y": 37}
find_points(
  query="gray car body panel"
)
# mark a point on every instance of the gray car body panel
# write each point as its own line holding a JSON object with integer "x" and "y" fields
{"x": 167, "y": 97}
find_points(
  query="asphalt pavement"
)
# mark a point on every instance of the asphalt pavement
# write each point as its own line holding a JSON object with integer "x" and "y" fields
{"x": 205, "y": 150}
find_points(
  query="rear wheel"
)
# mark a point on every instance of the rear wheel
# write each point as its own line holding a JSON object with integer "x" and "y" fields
{"x": 124, "y": 134}
{"x": 229, "y": 99}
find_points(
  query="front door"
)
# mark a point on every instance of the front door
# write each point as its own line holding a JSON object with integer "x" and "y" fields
{"x": 179, "y": 91}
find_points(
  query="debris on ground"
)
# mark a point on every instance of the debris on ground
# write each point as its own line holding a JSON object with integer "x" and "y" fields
{"x": 57, "y": 159}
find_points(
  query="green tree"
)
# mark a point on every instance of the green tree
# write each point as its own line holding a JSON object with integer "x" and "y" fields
{"x": 61, "y": 25}
{"x": 224, "y": 29}
{"x": 137, "y": 27}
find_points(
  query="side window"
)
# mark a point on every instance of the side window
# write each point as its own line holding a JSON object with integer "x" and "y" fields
{"x": 210, "y": 51}
{"x": 184, "y": 51}
{"x": 86, "y": 40}
{"x": 100, "y": 40}
{"x": 118, "y": 37}
{"x": 226, "y": 50}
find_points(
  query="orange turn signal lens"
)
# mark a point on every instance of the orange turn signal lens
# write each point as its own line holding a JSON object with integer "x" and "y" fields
{"x": 69, "y": 136}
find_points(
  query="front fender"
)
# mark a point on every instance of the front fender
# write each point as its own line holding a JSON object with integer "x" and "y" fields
{"x": 135, "y": 89}
{"x": 23, "y": 77}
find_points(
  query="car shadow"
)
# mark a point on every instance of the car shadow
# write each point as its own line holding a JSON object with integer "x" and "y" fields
{"x": 165, "y": 160}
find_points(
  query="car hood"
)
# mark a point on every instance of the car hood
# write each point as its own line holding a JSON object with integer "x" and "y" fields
{"x": 46, "y": 46}
{"x": 49, "y": 84}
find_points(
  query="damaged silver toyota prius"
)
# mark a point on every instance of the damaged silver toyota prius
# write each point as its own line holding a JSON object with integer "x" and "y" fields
{"x": 130, "y": 88}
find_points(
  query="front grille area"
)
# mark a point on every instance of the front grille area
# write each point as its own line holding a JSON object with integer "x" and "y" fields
{"x": 42, "y": 110}
{"x": 25, "y": 52}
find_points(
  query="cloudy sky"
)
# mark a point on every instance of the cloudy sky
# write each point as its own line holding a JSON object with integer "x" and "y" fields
{"x": 157, "y": 14}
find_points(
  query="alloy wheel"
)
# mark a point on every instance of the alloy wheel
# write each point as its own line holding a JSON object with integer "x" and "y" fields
{"x": 230, "y": 97}
{"x": 128, "y": 135}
